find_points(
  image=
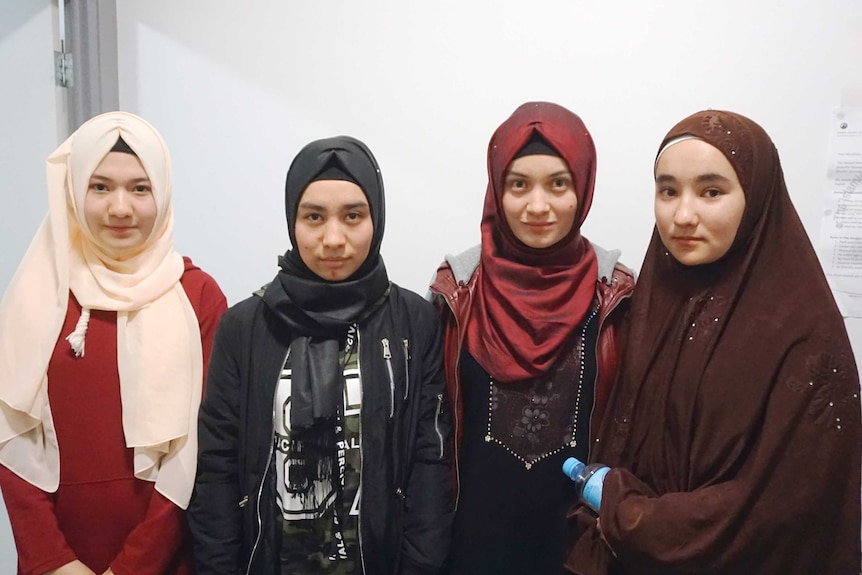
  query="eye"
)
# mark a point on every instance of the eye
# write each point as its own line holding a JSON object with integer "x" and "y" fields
{"x": 356, "y": 217}
{"x": 666, "y": 193}
{"x": 712, "y": 193}
{"x": 143, "y": 189}
{"x": 313, "y": 217}
{"x": 516, "y": 184}
{"x": 98, "y": 186}
{"x": 561, "y": 184}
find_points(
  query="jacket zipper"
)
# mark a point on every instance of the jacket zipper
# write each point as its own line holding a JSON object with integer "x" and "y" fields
{"x": 387, "y": 355}
{"x": 361, "y": 456}
{"x": 437, "y": 422}
{"x": 456, "y": 424}
{"x": 265, "y": 471}
{"x": 406, "y": 368}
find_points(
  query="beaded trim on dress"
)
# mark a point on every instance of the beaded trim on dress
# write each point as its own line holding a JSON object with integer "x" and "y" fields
{"x": 526, "y": 420}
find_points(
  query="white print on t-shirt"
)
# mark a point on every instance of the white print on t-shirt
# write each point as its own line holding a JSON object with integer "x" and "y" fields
{"x": 322, "y": 492}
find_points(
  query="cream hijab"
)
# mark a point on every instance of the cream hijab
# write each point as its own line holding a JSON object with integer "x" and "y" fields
{"x": 158, "y": 338}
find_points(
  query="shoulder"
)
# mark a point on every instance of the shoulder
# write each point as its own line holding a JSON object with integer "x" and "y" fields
{"x": 415, "y": 318}
{"x": 195, "y": 279}
{"x": 615, "y": 283}
{"x": 623, "y": 275}
{"x": 248, "y": 308}
{"x": 413, "y": 312}
{"x": 411, "y": 302}
{"x": 242, "y": 316}
{"x": 202, "y": 290}
{"x": 610, "y": 270}
{"x": 456, "y": 270}
{"x": 464, "y": 265}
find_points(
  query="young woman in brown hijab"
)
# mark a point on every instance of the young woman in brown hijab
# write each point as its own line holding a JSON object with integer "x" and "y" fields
{"x": 733, "y": 433}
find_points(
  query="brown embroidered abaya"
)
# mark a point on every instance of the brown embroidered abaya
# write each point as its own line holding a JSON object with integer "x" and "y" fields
{"x": 734, "y": 429}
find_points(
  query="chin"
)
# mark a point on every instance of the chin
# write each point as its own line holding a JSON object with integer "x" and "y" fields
{"x": 542, "y": 243}
{"x": 689, "y": 260}
{"x": 331, "y": 276}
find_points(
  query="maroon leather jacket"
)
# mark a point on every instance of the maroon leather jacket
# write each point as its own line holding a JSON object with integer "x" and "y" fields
{"x": 452, "y": 293}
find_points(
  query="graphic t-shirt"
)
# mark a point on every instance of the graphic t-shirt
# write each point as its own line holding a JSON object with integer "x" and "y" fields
{"x": 308, "y": 481}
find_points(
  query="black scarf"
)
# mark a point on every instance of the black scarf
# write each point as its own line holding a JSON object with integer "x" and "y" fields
{"x": 319, "y": 312}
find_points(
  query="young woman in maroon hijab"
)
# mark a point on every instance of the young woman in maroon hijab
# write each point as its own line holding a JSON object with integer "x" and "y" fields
{"x": 530, "y": 322}
{"x": 733, "y": 432}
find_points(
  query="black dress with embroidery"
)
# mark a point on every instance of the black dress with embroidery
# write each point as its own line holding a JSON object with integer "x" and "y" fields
{"x": 511, "y": 515}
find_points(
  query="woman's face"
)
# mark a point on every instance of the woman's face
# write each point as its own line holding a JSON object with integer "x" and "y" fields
{"x": 699, "y": 202}
{"x": 119, "y": 207}
{"x": 539, "y": 200}
{"x": 333, "y": 228}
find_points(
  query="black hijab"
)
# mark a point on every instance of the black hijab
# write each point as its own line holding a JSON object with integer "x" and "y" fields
{"x": 320, "y": 312}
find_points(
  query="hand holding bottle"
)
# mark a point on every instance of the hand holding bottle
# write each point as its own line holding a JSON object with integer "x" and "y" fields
{"x": 588, "y": 479}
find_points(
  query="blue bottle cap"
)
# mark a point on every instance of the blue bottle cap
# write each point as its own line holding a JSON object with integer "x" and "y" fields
{"x": 572, "y": 467}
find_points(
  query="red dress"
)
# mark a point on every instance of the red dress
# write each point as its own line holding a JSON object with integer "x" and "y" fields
{"x": 101, "y": 514}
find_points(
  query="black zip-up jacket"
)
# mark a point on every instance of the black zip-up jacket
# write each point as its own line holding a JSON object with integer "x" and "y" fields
{"x": 405, "y": 510}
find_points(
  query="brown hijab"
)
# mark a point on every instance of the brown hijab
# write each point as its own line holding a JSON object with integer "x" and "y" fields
{"x": 734, "y": 428}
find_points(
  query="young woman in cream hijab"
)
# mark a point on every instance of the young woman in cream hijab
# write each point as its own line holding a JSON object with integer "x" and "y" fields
{"x": 105, "y": 333}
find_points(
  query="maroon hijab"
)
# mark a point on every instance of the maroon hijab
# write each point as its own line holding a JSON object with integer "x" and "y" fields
{"x": 734, "y": 427}
{"x": 529, "y": 301}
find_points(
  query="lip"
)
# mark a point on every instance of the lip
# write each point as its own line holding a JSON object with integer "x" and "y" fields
{"x": 333, "y": 262}
{"x": 120, "y": 230}
{"x": 539, "y": 225}
{"x": 687, "y": 240}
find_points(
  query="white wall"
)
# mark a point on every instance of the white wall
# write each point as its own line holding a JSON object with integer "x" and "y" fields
{"x": 32, "y": 124}
{"x": 237, "y": 88}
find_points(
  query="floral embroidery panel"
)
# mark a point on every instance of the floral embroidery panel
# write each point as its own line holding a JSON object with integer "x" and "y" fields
{"x": 537, "y": 418}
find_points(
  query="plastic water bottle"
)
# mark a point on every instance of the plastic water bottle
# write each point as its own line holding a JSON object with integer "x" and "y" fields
{"x": 588, "y": 479}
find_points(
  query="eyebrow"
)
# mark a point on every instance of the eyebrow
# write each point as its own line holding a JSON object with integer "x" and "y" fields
{"x": 318, "y": 207}
{"x": 554, "y": 175}
{"x": 666, "y": 178}
{"x": 107, "y": 179}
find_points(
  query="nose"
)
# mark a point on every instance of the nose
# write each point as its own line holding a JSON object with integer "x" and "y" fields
{"x": 120, "y": 204}
{"x": 537, "y": 203}
{"x": 685, "y": 214}
{"x": 333, "y": 234}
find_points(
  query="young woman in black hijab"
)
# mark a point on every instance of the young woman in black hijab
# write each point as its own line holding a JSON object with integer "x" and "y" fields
{"x": 324, "y": 430}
